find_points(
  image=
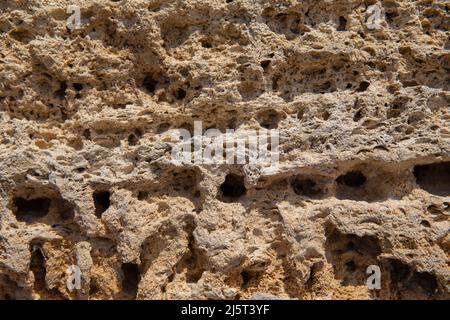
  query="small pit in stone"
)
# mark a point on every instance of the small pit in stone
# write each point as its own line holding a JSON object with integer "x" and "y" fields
{"x": 434, "y": 178}
{"x": 61, "y": 92}
{"x": 180, "y": 94}
{"x": 37, "y": 266}
{"x": 150, "y": 84}
{"x": 363, "y": 86}
{"x": 249, "y": 278}
{"x": 30, "y": 210}
{"x": 130, "y": 280}
{"x": 353, "y": 179}
{"x": 233, "y": 187}
{"x": 404, "y": 282}
{"x": 350, "y": 255}
{"x": 306, "y": 187}
{"x": 269, "y": 119}
{"x": 78, "y": 86}
{"x": 39, "y": 204}
{"x": 101, "y": 202}
{"x": 342, "y": 24}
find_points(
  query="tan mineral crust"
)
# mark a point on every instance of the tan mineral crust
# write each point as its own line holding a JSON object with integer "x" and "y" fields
{"x": 89, "y": 119}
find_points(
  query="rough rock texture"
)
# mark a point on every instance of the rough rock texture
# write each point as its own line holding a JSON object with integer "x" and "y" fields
{"x": 87, "y": 177}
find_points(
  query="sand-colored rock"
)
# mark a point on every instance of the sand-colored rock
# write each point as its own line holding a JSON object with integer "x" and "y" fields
{"x": 88, "y": 119}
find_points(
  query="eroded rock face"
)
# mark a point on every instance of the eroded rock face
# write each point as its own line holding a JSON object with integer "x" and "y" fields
{"x": 87, "y": 177}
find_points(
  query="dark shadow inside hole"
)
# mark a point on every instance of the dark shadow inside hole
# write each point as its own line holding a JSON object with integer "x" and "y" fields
{"x": 269, "y": 120}
{"x": 352, "y": 179}
{"x": 350, "y": 266}
{"x": 434, "y": 178}
{"x": 130, "y": 279}
{"x": 93, "y": 287}
{"x": 358, "y": 115}
{"x": 425, "y": 224}
{"x": 350, "y": 255}
{"x": 61, "y": 92}
{"x": 65, "y": 209}
{"x": 180, "y": 94}
{"x": 399, "y": 271}
{"x": 193, "y": 262}
{"x": 150, "y": 84}
{"x": 426, "y": 281}
{"x": 407, "y": 283}
{"x": 342, "y": 24}
{"x": 305, "y": 187}
{"x": 246, "y": 278}
{"x": 265, "y": 64}
{"x": 101, "y": 202}
{"x": 206, "y": 44}
{"x": 37, "y": 266}
{"x": 363, "y": 86}
{"x": 132, "y": 140}
{"x": 30, "y": 210}
{"x": 87, "y": 134}
{"x": 233, "y": 187}
{"x": 142, "y": 195}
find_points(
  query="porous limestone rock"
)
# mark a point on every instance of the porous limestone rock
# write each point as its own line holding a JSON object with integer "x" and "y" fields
{"x": 88, "y": 118}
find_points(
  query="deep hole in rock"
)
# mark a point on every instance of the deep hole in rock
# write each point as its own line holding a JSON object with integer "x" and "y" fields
{"x": 426, "y": 281}
{"x": 248, "y": 278}
{"x": 87, "y": 134}
{"x": 61, "y": 92}
{"x": 206, "y": 44}
{"x": 342, "y": 24}
{"x": 265, "y": 64}
{"x": 30, "y": 210}
{"x": 399, "y": 271}
{"x": 301, "y": 113}
{"x": 163, "y": 127}
{"x": 350, "y": 245}
{"x": 78, "y": 86}
{"x": 233, "y": 187}
{"x": 350, "y": 266}
{"x": 407, "y": 283}
{"x": 358, "y": 115}
{"x": 363, "y": 86}
{"x": 269, "y": 119}
{"x": 434, "y": 178}
{"x": 425, "y": 224}
{"x": 37, "y": 266}
{"x": 94, "y": 287}
{"x": 180, "y": 94}
{"x": 350, "y": 255}
{"x": 352, "y": 179}
{"x": 142, "y": 195}
{"x": 101, "y": 202}
{"x": 305, "y": 187}
{"x": 64, "y": 208}
{"x": 150, "y": 84}
{"x": 192, "y": 262}
{"x": 132, "y": 140}
{"x": 130, "y": 279}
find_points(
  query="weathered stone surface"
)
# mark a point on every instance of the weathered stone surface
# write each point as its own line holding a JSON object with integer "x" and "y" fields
{"x": 87, "y": 128}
